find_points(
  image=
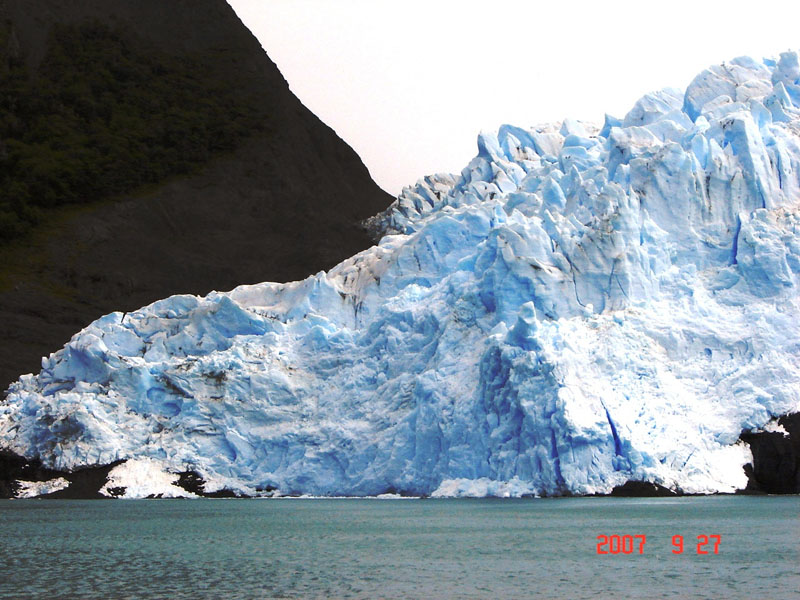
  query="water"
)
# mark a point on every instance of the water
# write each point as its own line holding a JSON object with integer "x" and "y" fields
{"x": 397, "y": 548}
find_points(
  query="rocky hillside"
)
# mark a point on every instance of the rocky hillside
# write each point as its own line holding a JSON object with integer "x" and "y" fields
{"x": 151, "y": 148}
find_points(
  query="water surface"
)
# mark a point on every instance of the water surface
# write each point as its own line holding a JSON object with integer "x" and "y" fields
{"x": 298, "y": 548}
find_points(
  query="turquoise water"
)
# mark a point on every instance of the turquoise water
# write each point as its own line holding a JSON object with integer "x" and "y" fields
{"x": 300, "y": 548}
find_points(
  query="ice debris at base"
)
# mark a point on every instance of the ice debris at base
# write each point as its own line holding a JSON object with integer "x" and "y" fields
{"x": 775, "y": 427}
{"x": 34, "y": 489}
{"x": 578, "y": 308}
{"x": 142, "y": 478}
{"x": 483, "y": 488}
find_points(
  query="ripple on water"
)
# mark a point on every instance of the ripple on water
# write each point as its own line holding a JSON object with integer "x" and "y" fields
{"x": 367, "y": 549}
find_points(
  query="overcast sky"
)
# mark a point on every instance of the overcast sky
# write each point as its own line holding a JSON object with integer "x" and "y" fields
{"x": 409, "y": 84}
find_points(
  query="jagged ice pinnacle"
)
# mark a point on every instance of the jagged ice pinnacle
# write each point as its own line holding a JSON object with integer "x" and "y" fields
{"x": 576, "y": 309}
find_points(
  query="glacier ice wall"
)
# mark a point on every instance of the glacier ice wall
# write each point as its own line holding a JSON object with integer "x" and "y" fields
{"x": 578, "y": 308}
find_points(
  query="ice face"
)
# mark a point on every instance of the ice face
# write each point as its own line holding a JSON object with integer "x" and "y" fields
{"x": 577, "y": 308}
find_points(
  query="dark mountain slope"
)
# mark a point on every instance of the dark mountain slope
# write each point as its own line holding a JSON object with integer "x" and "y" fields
{"x": 155, "y": 195}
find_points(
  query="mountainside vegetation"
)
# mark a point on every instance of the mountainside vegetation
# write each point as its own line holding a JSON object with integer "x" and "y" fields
{"x": 101, "y": 116}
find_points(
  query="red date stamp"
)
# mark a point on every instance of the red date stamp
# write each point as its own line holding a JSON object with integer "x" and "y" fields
{"x": 630, "y": 544}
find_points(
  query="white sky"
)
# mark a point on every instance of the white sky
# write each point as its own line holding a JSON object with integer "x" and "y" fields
{"x": 409, "y": 84}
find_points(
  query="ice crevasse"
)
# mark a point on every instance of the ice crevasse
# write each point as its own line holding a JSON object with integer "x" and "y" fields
{"x": 580, "y": 307}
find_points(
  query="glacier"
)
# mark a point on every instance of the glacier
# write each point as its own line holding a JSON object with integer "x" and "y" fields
{"x": 580, "y": 307}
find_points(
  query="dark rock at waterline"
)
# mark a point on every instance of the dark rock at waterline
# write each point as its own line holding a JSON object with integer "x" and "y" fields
{"x": 83, "y": 483}
{"x": 776, "y": 459}
{"x": 642, "y": 489}
{"x": 192, "y": 482}
{"x": 14, "y": 468}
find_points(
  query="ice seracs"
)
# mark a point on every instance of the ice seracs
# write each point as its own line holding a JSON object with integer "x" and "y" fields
{"x": 580, "y": 307}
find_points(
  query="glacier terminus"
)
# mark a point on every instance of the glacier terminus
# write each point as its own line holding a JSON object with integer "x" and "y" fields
{"x": 580, "y": 307}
